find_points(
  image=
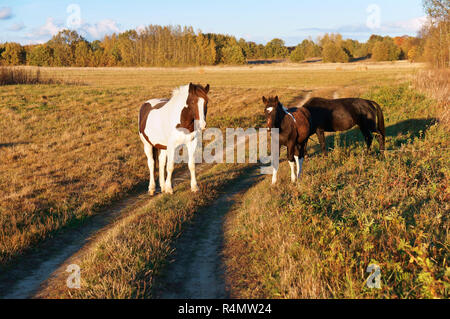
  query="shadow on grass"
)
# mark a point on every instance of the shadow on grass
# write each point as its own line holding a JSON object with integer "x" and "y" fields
{"x": 404, "y": 132}
{"x": 268, "y": 61}
{"x": 6, "y": 145}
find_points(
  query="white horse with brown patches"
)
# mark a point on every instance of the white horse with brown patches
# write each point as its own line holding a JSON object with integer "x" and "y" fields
{"x": 164, "y": 125}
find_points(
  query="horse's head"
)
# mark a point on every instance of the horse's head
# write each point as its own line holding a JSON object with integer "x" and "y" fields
{"x": 271, "y": 107}
{"x": 197, "y": 103}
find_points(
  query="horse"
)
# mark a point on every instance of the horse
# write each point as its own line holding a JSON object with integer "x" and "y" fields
{"x": 294, "y": 131}
{"x": 166, "y": 124}
{"x": 343, "y": 114}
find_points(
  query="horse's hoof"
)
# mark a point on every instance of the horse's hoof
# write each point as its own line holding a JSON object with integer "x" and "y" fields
{"x": 151, "y": 192}
{"x": 169, "y": 191}
{"x": 195, "y": 189}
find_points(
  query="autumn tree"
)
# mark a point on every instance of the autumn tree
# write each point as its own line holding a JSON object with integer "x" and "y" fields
{"x": 252, "y": 50}
{"x": 83, "y": 54}
{"x": 332, "y": 52}
{"x": 276, "y": 49}
{"x": 437, "y": 33}
{"x": 13, "y": 54}
{"x": 333, "y": 49}
{"x": 386, "y": 50}
{"x": 298, "y": 55}
{"x": 40, "y": 55}
{"x": 233, "y": 53}
{"x": 63, "y": 46}
{"x": 306, "y": 49}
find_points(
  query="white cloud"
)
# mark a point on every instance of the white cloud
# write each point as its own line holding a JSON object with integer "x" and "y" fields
{"x": 89, "y": 31}
{"x": 17, "y": 27}
{"x": 140, "y": 28}
{"x": 50, "y": 28}
{"x": 5, "y": 13}
{"x": 100, "y": 29}
{"x": 411, "y": 27}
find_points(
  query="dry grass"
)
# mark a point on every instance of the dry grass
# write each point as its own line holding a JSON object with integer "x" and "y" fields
{"x": 125, "y": 262}
{"x": 67, "y": 151}
{"x": 436, "y": 83}
{"x": 317, "y": 238}
{"x": 19, "y": 75}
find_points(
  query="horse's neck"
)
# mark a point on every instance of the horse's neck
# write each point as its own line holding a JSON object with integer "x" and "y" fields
{"x": 174, "y": 107}
{"x": 281, "y": 116}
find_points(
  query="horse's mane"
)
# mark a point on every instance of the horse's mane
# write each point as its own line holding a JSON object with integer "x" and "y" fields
{"x": 183, "y": 92}
{"x": 184, "y": 89}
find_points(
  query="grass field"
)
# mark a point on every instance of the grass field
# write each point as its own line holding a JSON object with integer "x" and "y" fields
{"x": 316, "y": 239}
{"x": 68, "y": 150}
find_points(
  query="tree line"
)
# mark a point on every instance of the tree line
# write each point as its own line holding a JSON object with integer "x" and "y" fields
{"x": 182, "y": 46}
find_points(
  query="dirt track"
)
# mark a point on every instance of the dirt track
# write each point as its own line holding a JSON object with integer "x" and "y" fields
{"x": 34, "y": 273}
{"x": 195, "y": 273}
{"x": 197, "y": 270}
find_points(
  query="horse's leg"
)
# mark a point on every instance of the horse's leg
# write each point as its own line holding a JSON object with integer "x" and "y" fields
{"x": 291, "y": 159}
{"x": 192, "y": 146}
{"x": 162, "y": 170}
{"x": 151, "y": 165}
{"x": 381, "y": 140}
{"x": 367, "y": 136}
{"x": 275, "y": 166}
{"x": 301, "y": 158}
{"x": 297, "y": 157}
{"x": 170, "y": 167}
{"x": 321, "y": 135}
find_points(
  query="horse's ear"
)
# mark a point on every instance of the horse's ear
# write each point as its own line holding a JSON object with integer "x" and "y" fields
{"x": 191, "y": 87}
{"x": 276, "y": 98}
{"x": 264, "y": 100}
{"x": 207, "y": 88}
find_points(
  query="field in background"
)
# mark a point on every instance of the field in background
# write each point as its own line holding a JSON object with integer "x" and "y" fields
{"x": 66, "y": 151}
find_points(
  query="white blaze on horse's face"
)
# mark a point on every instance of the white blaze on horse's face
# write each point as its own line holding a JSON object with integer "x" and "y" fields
{"x": 269, "y": 111}
{"x": 201, "y": 113}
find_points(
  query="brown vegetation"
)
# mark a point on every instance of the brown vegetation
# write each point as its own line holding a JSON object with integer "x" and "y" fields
{"x": 11, "y": 76}
{"x": 435, "y": 83}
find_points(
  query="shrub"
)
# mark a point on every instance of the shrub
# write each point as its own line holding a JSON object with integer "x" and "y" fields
{"x": 233, "y": 55}
{"x": 386, "y": 50}
{"x": 11, "y": 76}
{"x": 332, "y": 52}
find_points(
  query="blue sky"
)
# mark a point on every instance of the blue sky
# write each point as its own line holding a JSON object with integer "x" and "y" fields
{"x": 27, "y": 21}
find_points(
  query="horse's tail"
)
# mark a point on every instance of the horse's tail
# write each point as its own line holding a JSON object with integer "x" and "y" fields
{"x": 380, "y": 123}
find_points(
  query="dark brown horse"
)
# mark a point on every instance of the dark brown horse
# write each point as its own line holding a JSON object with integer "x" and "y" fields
{"x": 344, "y": 114}
{"x": 294, "y": 131}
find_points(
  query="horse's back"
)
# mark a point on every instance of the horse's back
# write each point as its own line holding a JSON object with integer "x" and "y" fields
{"x": 146, "y": 110}
{"x": 351, "y": 105}
{"x": 340, "y": 114}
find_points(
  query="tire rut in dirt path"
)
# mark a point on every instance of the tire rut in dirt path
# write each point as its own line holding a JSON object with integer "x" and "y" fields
{"x": 50, "y": 259}
{"x": 197, "y": 271}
